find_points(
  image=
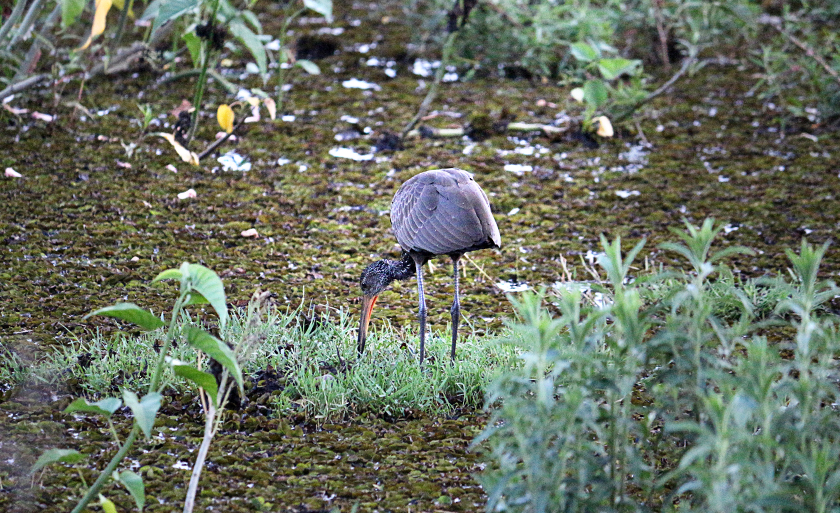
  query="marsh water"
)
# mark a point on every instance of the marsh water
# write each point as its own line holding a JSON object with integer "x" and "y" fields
{"x": 88, "y": 225}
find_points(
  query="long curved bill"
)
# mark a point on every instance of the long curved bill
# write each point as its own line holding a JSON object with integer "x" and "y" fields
{"x": 368, "y": 302}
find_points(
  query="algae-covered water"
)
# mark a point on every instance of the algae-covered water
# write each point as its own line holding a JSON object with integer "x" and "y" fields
{"x": 88, "y": 225}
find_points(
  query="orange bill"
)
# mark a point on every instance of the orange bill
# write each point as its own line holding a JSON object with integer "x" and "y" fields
{"x": 368, "y": 302}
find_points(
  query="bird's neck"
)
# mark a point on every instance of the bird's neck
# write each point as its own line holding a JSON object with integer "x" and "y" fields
{"x": 401, "y": 269}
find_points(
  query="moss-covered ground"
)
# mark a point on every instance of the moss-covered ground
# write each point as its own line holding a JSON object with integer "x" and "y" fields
{"x": 80, "y": 231}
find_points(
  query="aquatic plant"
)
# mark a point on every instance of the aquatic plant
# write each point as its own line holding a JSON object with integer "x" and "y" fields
{"x": 199, "y": 285}
{"x": 665, "y": 404}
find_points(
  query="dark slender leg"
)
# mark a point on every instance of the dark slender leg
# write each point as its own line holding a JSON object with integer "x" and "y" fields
{"x": 419, "y": 265}
{"x": 456, "y": 307}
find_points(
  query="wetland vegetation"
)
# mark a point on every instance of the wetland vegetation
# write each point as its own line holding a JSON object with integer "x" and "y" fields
{"x": 94, "y": 207}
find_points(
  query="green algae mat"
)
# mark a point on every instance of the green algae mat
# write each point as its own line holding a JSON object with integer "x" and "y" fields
{"x": 91, "y": 221}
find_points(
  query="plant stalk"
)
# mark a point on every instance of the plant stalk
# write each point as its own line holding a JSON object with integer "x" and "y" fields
{"x": 209, "y": 432}
{"x": 27, "y": 22}
{"x": 115, "y": 43}
{"x": 17, "y": 12}
{"x": 93, "y": 491}
{"x": 448, "y": 48}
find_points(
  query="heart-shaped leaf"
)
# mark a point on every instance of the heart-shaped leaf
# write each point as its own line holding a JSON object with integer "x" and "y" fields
{"x": 134, "y": 484}
{"x": 217, "y": 350}
{"x": 105, "y": 407}
{"x": 207, "y": 283}
{"x": 203, "y": 379}
{"x": 131, "y": 313}
{"x": 57, "y": 456}
{"x": 144, "y": 409}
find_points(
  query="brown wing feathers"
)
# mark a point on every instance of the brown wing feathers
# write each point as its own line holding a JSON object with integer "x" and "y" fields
{"x": 442, "y": 212}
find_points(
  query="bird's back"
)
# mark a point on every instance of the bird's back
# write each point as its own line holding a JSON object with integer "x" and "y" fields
{"x": 443, "y": 212}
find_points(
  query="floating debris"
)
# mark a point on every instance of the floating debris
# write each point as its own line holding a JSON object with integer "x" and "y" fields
{"x": 232, "y": 161}
{"x": 424, "y": 68}
{"x": 189, "y": 193}
{"x": 626, "y": 194}
{"x": 349, "y": 153}
{"x": 355, "y": 83}
{"x": 583, "y": 288}
{"x": 518, "y": 169}
{"x": 512, "y": 286}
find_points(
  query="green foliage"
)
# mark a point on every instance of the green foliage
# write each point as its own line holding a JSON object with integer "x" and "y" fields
{"x": 630, "y": 405}
{"x": 57, "y": 456}
{"x": 134, "y": 484}
{"x": 198, "y": 285}
{"x": 386, "y": 381}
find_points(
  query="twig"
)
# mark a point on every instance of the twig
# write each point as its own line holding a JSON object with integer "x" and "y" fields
{"x": 808, "y": 51}
{"x": 23, "y": 84}
{"x": 663, "y": 34}
{"x": 692, "y": 58}
{"x": 218, "y": 142}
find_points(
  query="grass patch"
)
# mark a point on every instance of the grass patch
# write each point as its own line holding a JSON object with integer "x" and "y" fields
{"x": 295, "y": 369}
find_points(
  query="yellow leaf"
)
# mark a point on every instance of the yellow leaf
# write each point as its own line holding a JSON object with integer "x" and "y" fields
{"x": 102, "y": 8}
{"x": 605, "y": 128}
{"x": 185, "y": 154}
{"x": 225, "y": 116}
{"x": 107, "y": 505}
{"x": 271, "y": 106}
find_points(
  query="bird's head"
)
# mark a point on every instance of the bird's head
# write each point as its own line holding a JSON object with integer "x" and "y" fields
{"x": 375, "y": 278}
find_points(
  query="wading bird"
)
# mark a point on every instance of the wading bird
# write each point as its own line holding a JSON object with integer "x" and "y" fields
{"x": 440, "y": 212}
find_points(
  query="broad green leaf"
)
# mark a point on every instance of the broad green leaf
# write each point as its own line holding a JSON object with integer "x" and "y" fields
{"x": 193, "y": 43}
{"x": 169, "y": 274}
{"x": 251, "y": 42}
{"x": 107, "y": 505}
{"x": 131, "y": 313}
{"x": 322, "y": 7}
{"x": 595, "y": 93}
{"x": 134, "y": 484}
{"x": 614, "y": 68}
{"x": 309, "y": 66}
{"x": 203, "y": 379}
{"x": 144, "y": 409}
{"x": 151, "y": 11}
{"x": 172, "y": 9}
{"x": 207, "y": 283}
{"x": 583, "y": 52}
{"x": 57, "y": 456}
{"x": 105, "y": 407}
{"x": 215, "y": 349}
{"x": 70, "y": 10}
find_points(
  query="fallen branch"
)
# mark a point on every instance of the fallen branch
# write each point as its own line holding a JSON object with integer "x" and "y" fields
{"x": 23, "y": 84}
{"x": 444, "y": 133}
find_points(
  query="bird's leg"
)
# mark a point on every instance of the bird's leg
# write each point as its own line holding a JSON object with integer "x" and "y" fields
{"x": 456, "y": 307}
{"x": 419, "y": 265}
